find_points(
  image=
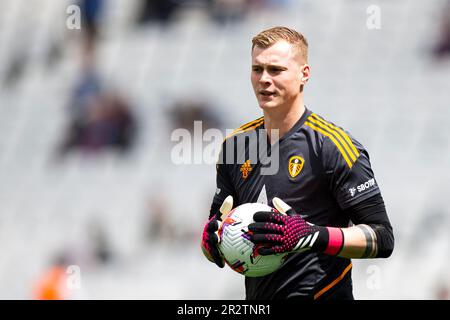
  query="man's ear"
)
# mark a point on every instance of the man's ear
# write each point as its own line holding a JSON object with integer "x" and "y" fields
{"x": 305, "y": 73}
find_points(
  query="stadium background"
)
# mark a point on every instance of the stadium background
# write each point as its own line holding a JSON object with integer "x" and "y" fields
{"x": 125, "y": 215}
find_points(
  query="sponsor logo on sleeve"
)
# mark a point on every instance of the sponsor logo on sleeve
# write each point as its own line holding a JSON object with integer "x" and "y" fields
{"x": 362, "y": 187}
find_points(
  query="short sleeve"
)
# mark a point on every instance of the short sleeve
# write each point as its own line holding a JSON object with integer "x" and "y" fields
{"x": 348, "y": 171}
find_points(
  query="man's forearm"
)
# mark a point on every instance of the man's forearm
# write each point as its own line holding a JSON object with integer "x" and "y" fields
{"x": 366, "y": 241}
{"x": 284, "y": 230}
{"x": 360, "y": 242}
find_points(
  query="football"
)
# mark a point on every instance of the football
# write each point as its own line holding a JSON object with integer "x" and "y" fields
{"x": 235, "y": 245}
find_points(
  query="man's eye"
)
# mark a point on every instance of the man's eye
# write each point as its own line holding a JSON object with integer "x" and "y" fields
{"x": 257, "y": 69}
{"x": 274, "y": 70}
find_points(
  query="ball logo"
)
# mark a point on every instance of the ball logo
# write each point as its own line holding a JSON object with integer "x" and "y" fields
{"x": 229, "y": 221}
{"x": 295, "y": 165}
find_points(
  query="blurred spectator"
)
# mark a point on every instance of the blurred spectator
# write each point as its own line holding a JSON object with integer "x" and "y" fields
{"x": 88, "y": 87}
{"x": 186, "y": 111}
{"x": 157, "y": 10}
{"x": 229, "y": 11}
{"x": 52, "y": 284}
{"x": 224, "y": 11}
{"x": 98, "y": 118}
{"x": 91, "y": 13}
{"x": 108, "y": 122}
{"x": 442, "y": 48}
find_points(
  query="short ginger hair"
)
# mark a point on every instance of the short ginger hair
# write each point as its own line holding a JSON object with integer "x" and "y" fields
{"x": 268, "y": 37}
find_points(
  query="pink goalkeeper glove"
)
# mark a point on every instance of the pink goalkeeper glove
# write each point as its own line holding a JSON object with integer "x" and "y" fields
{"x": 286, "y": 231}
{"x": 210, "y": 237}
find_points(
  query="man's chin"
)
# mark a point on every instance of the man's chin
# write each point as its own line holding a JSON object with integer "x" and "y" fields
{"x": 267, "y": 105}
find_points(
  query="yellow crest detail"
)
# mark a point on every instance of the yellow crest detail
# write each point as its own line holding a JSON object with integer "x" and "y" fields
{"x": 295, "y": 165}
{"x": 246, "y": 168}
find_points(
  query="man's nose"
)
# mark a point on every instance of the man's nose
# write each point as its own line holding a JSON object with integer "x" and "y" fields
{"x": 265, "y": 77}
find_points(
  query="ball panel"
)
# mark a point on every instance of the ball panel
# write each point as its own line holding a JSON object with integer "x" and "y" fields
{"x": 239, "y": 252}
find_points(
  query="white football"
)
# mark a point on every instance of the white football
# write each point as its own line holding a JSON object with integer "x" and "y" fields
{"x": 238, "y": 251}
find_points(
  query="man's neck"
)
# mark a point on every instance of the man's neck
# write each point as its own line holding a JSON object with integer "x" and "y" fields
{"x": 283, "y": 119}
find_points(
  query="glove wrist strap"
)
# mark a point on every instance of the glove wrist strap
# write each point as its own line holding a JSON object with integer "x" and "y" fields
{"x": 330, "y": 241}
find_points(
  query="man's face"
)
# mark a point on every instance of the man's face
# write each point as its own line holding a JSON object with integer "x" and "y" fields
{"x": 277, "y": 74}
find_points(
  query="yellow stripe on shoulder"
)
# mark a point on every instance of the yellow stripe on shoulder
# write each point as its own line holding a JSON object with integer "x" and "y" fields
{"x": 246, "y": 127}
{"x": 335, "y": 134}
{"x": 332, "y": 138}
{"x": 248, "y": 124}
{"x": 339, "y": 130}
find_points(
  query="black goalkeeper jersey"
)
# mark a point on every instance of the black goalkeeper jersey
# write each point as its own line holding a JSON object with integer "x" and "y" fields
{"x": 322, "y": 171}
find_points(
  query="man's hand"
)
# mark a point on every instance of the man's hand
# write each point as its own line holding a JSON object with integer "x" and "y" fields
{"x": 210, "y": 237}
{"x": 285, "y": 231}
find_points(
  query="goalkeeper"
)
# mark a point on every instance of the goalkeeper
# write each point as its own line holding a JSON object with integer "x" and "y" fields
{"x": 327, "y": 204}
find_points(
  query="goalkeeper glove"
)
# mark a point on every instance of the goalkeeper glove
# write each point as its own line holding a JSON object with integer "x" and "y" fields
{"x": 210, "y": 237}
{"x": 283, "y": 230}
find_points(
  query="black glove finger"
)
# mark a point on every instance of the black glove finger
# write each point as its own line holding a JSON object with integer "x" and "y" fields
{"x": 265, "y": 227}
{"x": 217, "y": 257}
{"x": 213, "y": 239}
{"x": 271, "y": 239}
{"x": 218, "y": 215}
{"x": 266, "y": 251}
{"x": 258, "y": 227}
{"x": 213, "y": 226}
{"x": 267, "y": 216}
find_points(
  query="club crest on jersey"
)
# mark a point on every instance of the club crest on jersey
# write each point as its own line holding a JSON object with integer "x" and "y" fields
{"x": 295, "y": 165}
{"x": 246, "y": 168}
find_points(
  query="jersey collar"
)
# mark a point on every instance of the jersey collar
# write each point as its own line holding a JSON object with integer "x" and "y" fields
{"x": 296, "y": 126}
